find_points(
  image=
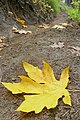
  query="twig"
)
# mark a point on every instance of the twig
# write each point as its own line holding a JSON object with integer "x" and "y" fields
{"x": 65, "y": 113}
{"x": 76, "y": 112}
{"x": 73, "y": 90}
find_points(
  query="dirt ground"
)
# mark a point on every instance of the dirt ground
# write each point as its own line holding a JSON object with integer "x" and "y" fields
{"x": 59, "y": 48}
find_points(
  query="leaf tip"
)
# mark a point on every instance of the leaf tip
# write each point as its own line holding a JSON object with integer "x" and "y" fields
{"x": 23, "y": 62}
{"x": 3, "y": 83}
{"x": 17, "y": 109}
{"x": 43, "y": 61}
{"x": 68, "y": 67}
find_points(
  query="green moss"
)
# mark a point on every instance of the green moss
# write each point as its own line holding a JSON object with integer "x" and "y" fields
{"x": 74, "y": 12}
{"x": 52, "y": 5}
{"x": 55, "y": 4}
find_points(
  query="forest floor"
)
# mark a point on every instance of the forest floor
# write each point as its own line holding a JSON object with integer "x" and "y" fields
{"x": 59, "y": 48}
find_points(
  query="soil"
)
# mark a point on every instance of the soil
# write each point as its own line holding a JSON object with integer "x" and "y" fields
{"x": 33, "y": 48}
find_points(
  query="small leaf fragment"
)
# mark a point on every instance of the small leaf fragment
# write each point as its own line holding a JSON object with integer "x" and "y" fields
{"x": 58, "y": 27}
{"x": 20, "y": 21}
{"x": 45, "y": 26}
{"x": 22, "y": 31}
{"x": 66, "y": 25}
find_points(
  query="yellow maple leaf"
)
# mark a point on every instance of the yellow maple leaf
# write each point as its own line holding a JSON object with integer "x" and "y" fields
{"x": 20, "y": 21}
{"x": 42, "y": 87}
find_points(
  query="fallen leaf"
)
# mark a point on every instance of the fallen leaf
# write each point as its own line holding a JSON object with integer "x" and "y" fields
{"x": 24, "y": 31}
{"x": 62, "y": 26}
{"x": 25, "y": 26}
{"x": 20, "y": 21}
{"x": 75, "y": 50}
{"x": 66, "y": 25}
{"x": 15, "y": 30}
{"x": 57, "y": 45}
{"x": 42, "y": 88}
{"x": 45, "y": 26}
{"x": 58, "y": 27}
{"x": 10, "y": 13}
{"x": 77, "y": 53}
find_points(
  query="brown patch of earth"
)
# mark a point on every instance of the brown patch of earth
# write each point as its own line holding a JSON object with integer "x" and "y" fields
{"x": 33, "y": 48}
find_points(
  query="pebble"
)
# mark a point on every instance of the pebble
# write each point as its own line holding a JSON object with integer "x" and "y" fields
{"x": 13, "y": 79}
{"x": 1, "y": 41}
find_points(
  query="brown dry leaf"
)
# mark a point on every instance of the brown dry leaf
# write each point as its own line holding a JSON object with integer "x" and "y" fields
{"x": 45, "y": 26}
{"x": 58, "y": 27}
{"x": 10, "y": 13}
{"x": 24, "y": 31}
{"x": 62, "y": 26}
{"x": 75, "y": 50}
{"x": 57, "y": 45}
{"x": 15, "y": 30}
{"x": 41, "y": 88}
{"x": 66, "y": 25}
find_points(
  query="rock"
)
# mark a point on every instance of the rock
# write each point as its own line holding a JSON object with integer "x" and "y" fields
{"x": 0, "y": 41}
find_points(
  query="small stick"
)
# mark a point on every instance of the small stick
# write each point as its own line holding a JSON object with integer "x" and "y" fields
{"x": 65, "y": 113}
{"x": 73, "y": 90}
{"x": 76, "y": 112}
